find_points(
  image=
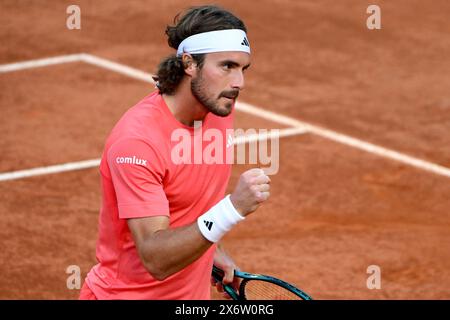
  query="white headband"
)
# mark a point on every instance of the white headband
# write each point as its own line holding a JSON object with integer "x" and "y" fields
{"x": 215, "y": 41}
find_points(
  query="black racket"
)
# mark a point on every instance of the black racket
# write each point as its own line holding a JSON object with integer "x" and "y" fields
{"x": 260, "y": 287}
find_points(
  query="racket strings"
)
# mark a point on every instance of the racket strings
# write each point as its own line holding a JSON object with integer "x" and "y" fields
{"x": 263, "y": 290}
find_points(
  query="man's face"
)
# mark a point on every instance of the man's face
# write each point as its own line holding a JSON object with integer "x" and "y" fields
{"x": 217, "y": 84}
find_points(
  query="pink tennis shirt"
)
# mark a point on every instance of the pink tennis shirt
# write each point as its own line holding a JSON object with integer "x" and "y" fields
{"x": 141, "y": 177}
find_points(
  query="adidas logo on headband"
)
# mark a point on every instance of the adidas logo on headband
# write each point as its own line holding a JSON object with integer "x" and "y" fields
{"x": 245, "y": 42}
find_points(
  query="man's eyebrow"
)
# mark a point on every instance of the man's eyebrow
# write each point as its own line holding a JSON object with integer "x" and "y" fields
{"x": 234, "y": 64}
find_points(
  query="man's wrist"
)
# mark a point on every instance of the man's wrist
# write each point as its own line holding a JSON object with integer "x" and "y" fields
{"x": 235, "y": 206}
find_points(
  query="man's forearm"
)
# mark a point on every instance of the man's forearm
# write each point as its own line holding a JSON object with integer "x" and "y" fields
{"x": 167, "y": 251}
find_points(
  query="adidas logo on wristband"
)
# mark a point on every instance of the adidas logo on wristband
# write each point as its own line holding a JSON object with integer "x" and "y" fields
{"x": 208, "y": 224}
{"x": 223, "y": 216}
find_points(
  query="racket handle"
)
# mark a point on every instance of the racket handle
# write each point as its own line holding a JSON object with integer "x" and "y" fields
{"x": 218, "y": 275}
{"x": 230, "y": 291}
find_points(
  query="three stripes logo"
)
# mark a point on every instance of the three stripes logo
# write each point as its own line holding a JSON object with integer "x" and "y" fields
{"x": 208, "y": 224}
{"x": 245, "y": 42}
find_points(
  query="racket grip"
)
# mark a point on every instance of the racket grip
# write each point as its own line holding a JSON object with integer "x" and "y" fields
{"x": 230, "y": 291}
{"x": 218, "y": 275}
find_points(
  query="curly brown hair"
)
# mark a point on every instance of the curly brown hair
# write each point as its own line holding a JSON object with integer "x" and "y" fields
{"x": 194, "y": 20}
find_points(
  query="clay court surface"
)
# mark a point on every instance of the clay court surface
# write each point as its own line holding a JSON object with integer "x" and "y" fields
{"x": 334, "y": 209}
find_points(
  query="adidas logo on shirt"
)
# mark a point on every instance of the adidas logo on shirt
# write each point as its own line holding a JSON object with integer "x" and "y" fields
{"x": 245, "y": 42}
{"x": 208, "y": 224}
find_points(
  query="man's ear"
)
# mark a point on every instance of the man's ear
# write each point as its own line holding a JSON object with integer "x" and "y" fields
{"x": 189, "y": 64}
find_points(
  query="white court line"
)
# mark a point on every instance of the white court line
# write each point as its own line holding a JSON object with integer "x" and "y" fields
{"x": 270, "y": 134}
{"x": 253, "y": 110}
{"x": 96, "y": 162}
{"x": 117, "y": 67}
{"x": 347, "y": 140}
{"x": 50, "y": 169}
{"x": 281, "y": 119}
{"x": 39, "y": 63}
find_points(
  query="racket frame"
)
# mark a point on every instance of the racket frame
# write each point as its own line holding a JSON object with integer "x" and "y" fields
{"x": 217, "y": 273}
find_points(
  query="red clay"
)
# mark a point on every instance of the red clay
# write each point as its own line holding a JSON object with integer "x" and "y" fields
{"x": 334, "y": 210}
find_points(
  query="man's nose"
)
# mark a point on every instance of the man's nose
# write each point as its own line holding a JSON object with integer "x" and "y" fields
{"x": 238, "y": 80}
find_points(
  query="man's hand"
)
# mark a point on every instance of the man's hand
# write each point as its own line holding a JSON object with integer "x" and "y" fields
{"x": 251, "y": 190}
{"x": 224, "y": 262}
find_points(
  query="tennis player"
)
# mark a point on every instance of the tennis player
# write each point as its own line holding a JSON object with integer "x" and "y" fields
{"x": 161, "y": 222}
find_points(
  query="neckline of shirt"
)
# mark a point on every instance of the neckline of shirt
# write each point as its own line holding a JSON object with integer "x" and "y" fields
{"x": 178, "y": 124}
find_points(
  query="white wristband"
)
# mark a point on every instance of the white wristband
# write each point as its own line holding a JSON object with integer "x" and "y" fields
{"x": 218, "y": 220}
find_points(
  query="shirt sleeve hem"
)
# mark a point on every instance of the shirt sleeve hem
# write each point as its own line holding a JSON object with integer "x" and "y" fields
{"x": 142, "y": 211}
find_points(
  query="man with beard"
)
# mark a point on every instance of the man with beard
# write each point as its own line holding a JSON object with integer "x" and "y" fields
{"x": 160, "y": 221}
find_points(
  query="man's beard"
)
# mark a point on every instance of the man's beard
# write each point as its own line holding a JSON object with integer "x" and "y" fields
{"x": 198, "y": 91}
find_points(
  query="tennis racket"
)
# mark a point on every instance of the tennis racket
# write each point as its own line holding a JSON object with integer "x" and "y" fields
{"x": 260, "y": 287}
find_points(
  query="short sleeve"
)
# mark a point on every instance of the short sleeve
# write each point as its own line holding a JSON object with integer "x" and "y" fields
{"x": 137, "y": 173}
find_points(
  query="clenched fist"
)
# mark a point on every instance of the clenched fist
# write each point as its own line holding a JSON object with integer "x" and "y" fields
{"x": 252, "y": 189}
